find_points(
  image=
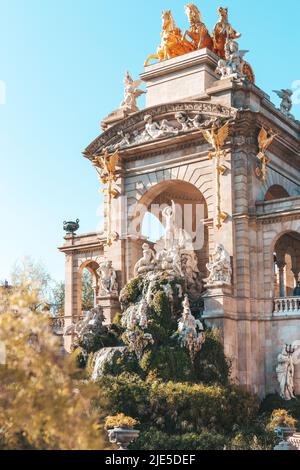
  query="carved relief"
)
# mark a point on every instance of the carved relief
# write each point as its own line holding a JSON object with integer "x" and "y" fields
{"x": 129, "y": 130}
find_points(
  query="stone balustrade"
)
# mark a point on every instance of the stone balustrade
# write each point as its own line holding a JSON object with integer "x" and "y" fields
{"x": 295, "y": 441}
{"x": 57, "y": 324}
{"x": 287, "y": 306}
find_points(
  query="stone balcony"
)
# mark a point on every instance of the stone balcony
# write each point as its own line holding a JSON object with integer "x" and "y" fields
{"x": 287, "y": 306}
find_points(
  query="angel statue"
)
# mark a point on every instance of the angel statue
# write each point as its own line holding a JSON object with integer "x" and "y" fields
{"x": 264, "y": 141}
{"x": 131, "y": 94}
{"x": 286, "y": 101}
{"x": 285, "y": 371}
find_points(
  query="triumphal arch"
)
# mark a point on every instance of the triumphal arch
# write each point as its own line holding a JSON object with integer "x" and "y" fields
{"x": 210, "y": 143}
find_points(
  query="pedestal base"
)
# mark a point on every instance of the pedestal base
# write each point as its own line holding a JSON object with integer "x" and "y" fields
{"x": 110, "y": 306}
{"x": 217, "y": 301}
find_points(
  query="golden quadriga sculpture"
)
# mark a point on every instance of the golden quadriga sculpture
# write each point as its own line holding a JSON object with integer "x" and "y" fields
{"x": 174, "y": 43}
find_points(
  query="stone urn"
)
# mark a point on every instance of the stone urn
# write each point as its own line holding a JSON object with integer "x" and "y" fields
{"x": 71, "y": 227}
{"x": 122, "y": 436}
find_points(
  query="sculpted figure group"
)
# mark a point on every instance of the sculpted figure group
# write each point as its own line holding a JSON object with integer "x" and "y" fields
{"x": 174, "y": 43}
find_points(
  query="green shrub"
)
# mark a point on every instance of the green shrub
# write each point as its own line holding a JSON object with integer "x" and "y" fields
{"x": 157, "y": 440}
{"x": 167, "y": 363}
{"x": 131, "y": 293}
{"x": 105, "y": 339}
{"x": 128, "y": 394}
{"x": 275, "y": 402}
{"x": 211, "y": 365}
{"x": 122, "y": 363}
{"x": 162, "y": 310}
{"x": 179, "y": 407}
{"x": 80, "y": 357}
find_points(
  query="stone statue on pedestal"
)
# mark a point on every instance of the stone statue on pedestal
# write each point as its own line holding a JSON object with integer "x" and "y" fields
{"x": 285, "y": 371}
{"x": 286, "y": 102}
{"x": 234, "y": 63}
{"x": 108, "y": 278}
{"x": 219, "y": 268}
{"x": 131, "y": 94}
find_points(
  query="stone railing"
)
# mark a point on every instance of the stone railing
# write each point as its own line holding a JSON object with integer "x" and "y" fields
{"x": 57, "y": 324}
{"x": 295, "y": 441}
{"x": 287, "y": 306}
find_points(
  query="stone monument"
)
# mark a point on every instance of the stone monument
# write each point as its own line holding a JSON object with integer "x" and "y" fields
{"x": 210, "y": 142}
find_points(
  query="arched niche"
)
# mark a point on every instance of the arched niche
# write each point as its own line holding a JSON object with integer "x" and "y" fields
{"x": 91, "y": 266}
{"x": 191, "y": 213}
{"x": 276, "y": 192}
{"x": 286, "y": 263}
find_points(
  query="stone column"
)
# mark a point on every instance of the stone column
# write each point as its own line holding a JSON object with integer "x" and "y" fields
{"x": 70, "y": 291}
{"x": 281, "y": 265}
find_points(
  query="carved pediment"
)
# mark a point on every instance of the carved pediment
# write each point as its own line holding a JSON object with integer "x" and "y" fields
{"x": 159, "y": 122}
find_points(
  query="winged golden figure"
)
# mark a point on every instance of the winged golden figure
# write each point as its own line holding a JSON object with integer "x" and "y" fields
{"x": 216, "y": 137}
{"x": 106, "y": 165}
{"x": 264, "y": 141}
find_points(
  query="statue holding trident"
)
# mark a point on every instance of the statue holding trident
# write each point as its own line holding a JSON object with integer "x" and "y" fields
{"x": 285, "y": 371}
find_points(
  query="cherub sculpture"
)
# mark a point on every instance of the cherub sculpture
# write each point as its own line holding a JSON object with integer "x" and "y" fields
{"x": 234, "y": 60}
{"x": 198, "y": 32}
{"x": 223, "y": 31}
{"x": 131, "y": 94}
{"x": 286, "y": 101}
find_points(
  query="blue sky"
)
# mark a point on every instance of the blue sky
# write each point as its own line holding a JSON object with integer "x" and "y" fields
{"x": 63, "y": 64}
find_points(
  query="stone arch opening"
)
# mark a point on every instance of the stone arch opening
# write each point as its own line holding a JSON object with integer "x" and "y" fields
{"x": 286, "y": 254}
{"x": 276, "y": 192}
{"x": 87, "y": 286}
{"x": 191, "y": 214}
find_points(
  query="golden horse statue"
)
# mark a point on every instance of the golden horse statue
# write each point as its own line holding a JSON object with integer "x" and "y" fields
{"x": 198, "y": 32}
{"x": 223, "y": 31}
{"x": 173, "y": 43}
